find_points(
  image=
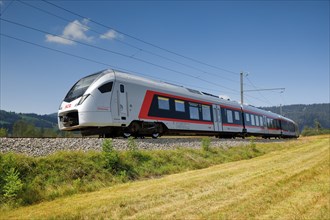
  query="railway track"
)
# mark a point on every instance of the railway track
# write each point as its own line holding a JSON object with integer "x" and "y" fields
{"x": 46, "y": 146}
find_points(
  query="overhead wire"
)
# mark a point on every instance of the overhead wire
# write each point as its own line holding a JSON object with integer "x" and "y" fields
{"x": 119, "y": 54}
{"x": 6, "y": 8}
{"x": 258, "y": 91}
{"x": 133, "y": 46}
{"x": 106, "y": 64}
{"x": 141, "y": 40}
{"x": 139, "y": 49}
{"x": 98, "y": 62}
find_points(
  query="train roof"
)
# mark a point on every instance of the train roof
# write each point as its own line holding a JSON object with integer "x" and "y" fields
{"x": 170, "y": 87}
{"x": 249, "y": 108}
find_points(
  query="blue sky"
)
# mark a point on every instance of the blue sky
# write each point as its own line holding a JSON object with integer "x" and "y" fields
{"x": 276, "y": 43}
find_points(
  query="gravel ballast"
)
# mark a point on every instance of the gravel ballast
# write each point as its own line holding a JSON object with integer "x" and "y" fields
{"x": 46, "y": 146}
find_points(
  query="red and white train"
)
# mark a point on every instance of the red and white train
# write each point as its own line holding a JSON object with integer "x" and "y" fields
{"x": 111, "y": 103}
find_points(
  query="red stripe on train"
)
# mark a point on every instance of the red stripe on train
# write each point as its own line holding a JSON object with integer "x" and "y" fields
{"x": 147, "y": 103}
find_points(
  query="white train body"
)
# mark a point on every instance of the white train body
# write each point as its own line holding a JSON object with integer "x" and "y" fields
{"x": 113, "y": 103}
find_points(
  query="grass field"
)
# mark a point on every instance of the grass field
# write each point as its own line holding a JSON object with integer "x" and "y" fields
{"x": 291, "y": 183}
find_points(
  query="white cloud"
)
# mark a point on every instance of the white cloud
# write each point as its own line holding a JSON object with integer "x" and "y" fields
{"x": 75, "y": 30}
{"x": 57, "y": 39}
{"x": 110, "y": 34}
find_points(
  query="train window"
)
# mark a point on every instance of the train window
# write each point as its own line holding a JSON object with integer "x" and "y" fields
{"x": 193, "y": 110}
{"x": 236, "y": 116}
{"x": 272, "y": 123}
{"x": 247, "y": 116}
{"x": 257, "y": 121}
{"x": 229, "y": 116}
{"x": 122, "y": 89}
{"x": 261, "y": 121}
{"x": 106, "y": 87}
{"x": 252, "y": 120}
{"x": 80, "y": 87}
{"x": 179, "y": 106}
{"x": 163, "y": 103}
{"x": 206, "y": 112}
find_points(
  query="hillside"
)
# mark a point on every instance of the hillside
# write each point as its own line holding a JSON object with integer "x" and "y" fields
{"x": 8, "y": 119}
{"x": 290, "y": 183}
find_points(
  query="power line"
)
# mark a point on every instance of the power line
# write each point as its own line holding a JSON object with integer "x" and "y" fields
{"x": 259, "y": 91}
{"x": 59, "y": 51}
{"x": 5, "y": 9}
{"x": 98, "y": 62}
{"x": 143, "y": 41}
{"x": 105, "y": 64}
{"x": 125, "y": 43}
{"x": 119, "y": 54}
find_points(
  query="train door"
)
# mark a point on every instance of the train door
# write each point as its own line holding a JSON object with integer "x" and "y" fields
{"x": 217, "y": 118}
{"x": 122, "y": 102}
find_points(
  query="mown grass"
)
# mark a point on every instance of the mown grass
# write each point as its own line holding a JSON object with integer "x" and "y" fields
{"x": 67, "y": 173}
{"x": 291, "y": 182}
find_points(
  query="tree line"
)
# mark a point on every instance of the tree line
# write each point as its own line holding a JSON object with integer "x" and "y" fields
{"x": 23, "y": 128}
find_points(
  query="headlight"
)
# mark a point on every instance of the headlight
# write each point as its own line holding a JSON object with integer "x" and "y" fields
{"x": 83, "y": 98}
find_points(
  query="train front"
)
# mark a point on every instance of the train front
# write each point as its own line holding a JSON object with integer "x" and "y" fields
{"x": 87, "y": 104}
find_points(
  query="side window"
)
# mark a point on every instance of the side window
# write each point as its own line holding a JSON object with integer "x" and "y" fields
{"x": 252, "y": 120}
{"x": 206, "y": 112}
{"x": 257, "y": 120}
{"x": 106, "y": 87}
{"x": 179, "y": 106}
{"x": 261, "y": 121}
{"x": 163, "y": 103}
{"x": 229, "y": 116}
{"x": 237, "y": 116}
{"x": 247, "y": 116}
{"x": 122, "y": 89}
{"x": 193, "y": 110}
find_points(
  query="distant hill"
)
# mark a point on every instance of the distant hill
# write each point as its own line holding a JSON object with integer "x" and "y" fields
{"x": 304, "y": 115}
{"x": 8, "y": 119}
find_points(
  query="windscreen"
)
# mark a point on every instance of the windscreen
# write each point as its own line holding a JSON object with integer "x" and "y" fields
{"x": 80, "y": 87}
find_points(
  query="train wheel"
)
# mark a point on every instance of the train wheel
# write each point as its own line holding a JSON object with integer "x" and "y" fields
{"x": 127, "y": 134}
{"x": 155, "y": 135}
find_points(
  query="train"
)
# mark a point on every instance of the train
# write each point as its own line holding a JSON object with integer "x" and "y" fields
{"x": 113, "y": 103}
